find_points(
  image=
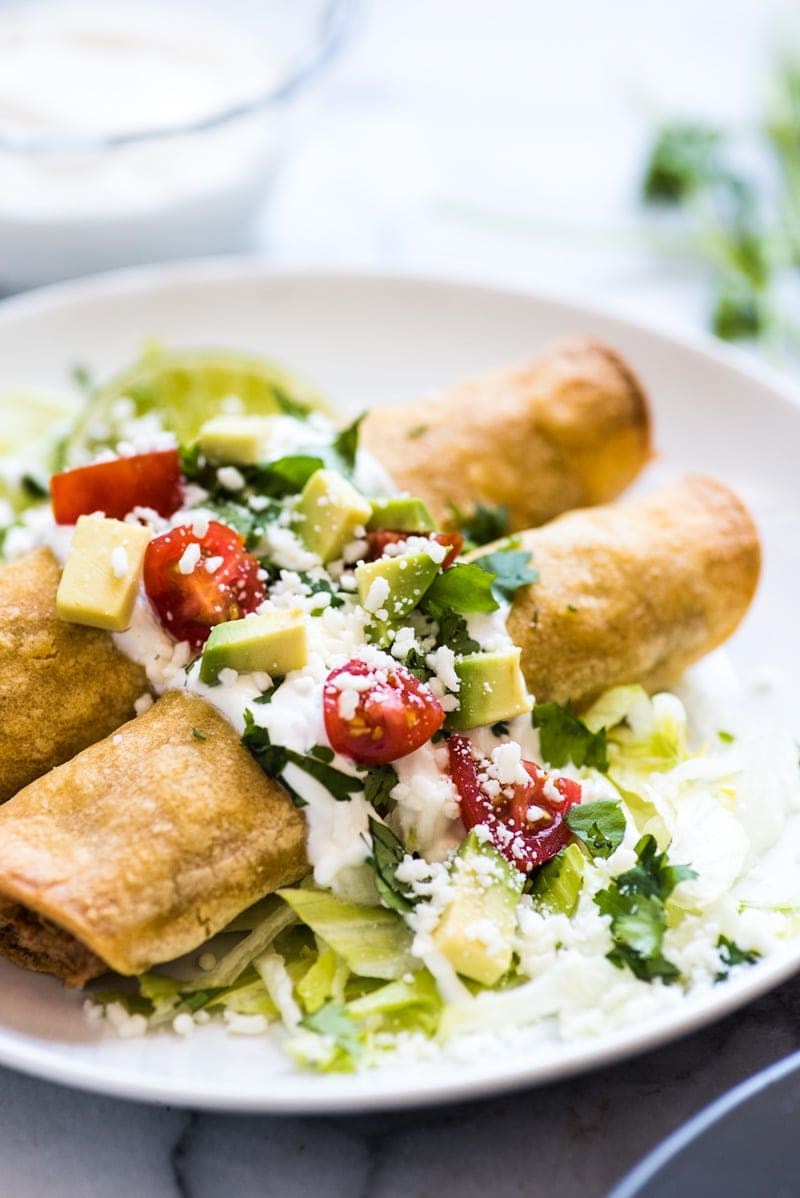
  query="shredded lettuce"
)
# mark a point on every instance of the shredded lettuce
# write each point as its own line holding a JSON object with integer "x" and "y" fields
{"x": 372, "y": 941}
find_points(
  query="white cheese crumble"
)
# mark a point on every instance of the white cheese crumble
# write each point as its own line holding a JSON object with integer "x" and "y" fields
{"x": 377, "y": 595}
{"x": 230, "y": 478}
{"x": 189, "y": 558}
{"x": 119, "y": 561}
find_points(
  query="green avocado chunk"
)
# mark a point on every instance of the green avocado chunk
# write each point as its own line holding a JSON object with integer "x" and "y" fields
{"x": 328, "y": 513}
{"x": 274, "y": 642}
{"x": 241, "y": 439}
{"x": 492, "y": 689}
{"x": 476, "y": 930}
{"x": 402, "y": 514}
{"x": 401, "y": 583}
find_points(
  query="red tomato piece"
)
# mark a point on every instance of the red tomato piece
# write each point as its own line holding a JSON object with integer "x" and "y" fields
{"x": 377, "y": 542}
{"x": 387, "y": 715}
{"x": 525, "y": 822}
{"x": 117, "y": 487}
{"x": 189, "y": 605}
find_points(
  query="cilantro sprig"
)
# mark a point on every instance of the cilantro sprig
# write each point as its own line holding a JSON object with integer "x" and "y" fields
{"x": 387, "y": 854}
{"x": 636, "y": 905}
{"x": 510, "y": 570}
{"x": 564, "y": 737}
{"x": 599, "y": 825}
{"x": 483, "y": 524}
{"x": 274, "y": 759}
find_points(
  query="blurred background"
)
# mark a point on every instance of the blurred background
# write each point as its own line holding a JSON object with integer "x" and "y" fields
{"x": 644, "y": 156}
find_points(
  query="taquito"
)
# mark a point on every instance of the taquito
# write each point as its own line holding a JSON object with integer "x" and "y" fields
{"x": 62, "y": 686}
{"x": 149, "y": 842}
{"x": 635, "y": 592}
{"x": 142, "y": 846}
{"x": 570, "y": 429}
{"x": 567, "y": 430}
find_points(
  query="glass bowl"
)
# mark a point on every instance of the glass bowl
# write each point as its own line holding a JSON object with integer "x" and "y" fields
{"x": 131, "y": 133}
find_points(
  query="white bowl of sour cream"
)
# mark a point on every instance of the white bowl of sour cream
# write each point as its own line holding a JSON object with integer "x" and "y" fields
{"x": 135, "y": 131}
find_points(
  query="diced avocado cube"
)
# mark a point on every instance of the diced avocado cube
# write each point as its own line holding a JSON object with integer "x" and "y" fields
{"x": 101, "y": 575}
{"x": 274, "y": 642}
{"x": 243, "y": 440}
{"x": 402, "y": 514}
{"x": 328, "y": 513}
{"x": 476, "y": 931}
{"x": 558, "y": 882}
{"x": 395, "y": 584}
{"x": 492, "y": 689}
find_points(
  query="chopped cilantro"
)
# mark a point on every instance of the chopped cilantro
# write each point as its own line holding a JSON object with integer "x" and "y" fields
{"x": 416, "y": 664}
{"x": 730, "y": 955}
{"x": 387, "y": 853}
{"x": 599, "y": 825}
{"x": 274, "y": 759}
{"x": 510, "y": 569}
{"x": 564, "y": 737}
{"x": 321, "y": 586}
{"x": 198, "y": 735}
{"x": 346, "y": 443}
{"x": 33, "y": 488}
{"x": 419, "y": 430}
{"x": 683, "y": 158}
{"x": 462, "y": 588}
{"x": 636, "y": 904}
{"x": 323, "y": 753}
{"x": 500, "y": 729}
{"x": 267, "y": 696}
{"x": 378, "y": 785}
{"x": 483, "y": 525}
{"x": 453, "y": 633}
{"x": 727, "y": 738}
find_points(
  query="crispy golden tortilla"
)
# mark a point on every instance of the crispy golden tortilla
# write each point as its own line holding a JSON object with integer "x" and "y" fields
{"x": 634, "y": 593}
{"x": 62, "y": 686}
{"x": 570, "y": 429}
{"x": 149, "y": 842}
{"x": 143, "y": 845}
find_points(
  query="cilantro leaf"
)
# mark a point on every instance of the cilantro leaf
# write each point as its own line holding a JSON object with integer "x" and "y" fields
{"x": 730, "y": 955}
{"x": 387, "y": 853}
{"x": 600, "y": 825}
{"x": 462, "y": 588}
{"x": 636, "y": 905}
{"x": 346, "y": 442}
{"x": 321, "y": 586}
{"x": 564, "y": 737}
{"x": 683, "y": 158}
{"x": 510, "y": 569}
{"x": 378, "y": 785}
{"x": 483, "y": 525}
{"x": 274, "y": 759}
{"x": 453, "y": 633}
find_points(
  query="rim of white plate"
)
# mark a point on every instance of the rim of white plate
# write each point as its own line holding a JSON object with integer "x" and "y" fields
{"x": 309, "y": 1094}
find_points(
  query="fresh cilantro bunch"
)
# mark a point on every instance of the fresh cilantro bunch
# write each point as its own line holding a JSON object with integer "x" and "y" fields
{"x": 636, "y": 904}
{"x": 745, "y": 228}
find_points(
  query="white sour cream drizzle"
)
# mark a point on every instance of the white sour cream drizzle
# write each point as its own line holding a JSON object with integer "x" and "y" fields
{"x": 426, "y": 813}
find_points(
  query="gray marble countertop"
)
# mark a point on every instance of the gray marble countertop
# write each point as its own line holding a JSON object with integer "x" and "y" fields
{"x": 574, "y": 1139}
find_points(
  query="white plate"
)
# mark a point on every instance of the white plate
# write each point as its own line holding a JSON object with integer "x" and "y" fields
{"x": 369, "y": 341}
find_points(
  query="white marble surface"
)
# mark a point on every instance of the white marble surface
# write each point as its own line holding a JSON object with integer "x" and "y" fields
{"x": 496, "y": 139}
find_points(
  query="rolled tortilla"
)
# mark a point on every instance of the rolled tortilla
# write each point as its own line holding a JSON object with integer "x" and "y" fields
{"x": 151, "y": 841}
{"x": 142, "y": 846}
{"x": 568, "y": 430}
{"x": 634, "y": 593}
{"x": 62, "y": 686}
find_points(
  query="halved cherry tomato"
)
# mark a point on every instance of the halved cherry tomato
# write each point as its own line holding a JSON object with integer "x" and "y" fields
{"x": 377, "y": 542}
{"x": 392, "y": 715}
{"x": 527, "y": 826}
{"x": 190, "y": 604}
{"x": 117, "y": 487}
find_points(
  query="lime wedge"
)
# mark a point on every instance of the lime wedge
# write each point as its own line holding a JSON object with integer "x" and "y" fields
{"x": 32, "y": 425}
{"x": 186, "y": 388}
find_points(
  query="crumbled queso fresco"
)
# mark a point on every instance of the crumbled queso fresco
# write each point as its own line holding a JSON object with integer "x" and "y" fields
{"x": 553, "y": 954}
